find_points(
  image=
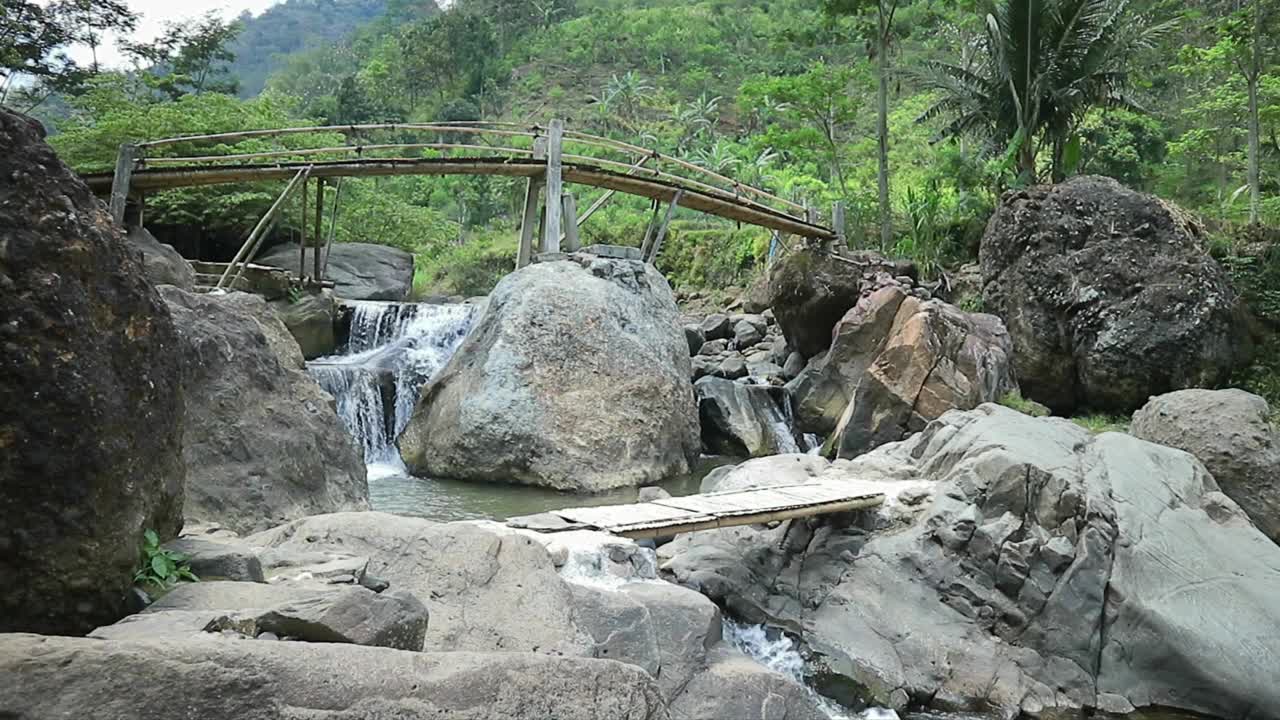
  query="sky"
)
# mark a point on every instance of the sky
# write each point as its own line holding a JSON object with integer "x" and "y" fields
{"x": 154, "y": 14}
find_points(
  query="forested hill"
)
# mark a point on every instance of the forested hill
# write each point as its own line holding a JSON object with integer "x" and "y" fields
{"x": 296, "y": 25}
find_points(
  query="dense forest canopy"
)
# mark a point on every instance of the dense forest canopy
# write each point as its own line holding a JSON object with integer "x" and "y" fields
{"x": 916, "y": 113}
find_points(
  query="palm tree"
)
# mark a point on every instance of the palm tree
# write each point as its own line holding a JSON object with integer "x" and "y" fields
{"x": 1041, "y": 65}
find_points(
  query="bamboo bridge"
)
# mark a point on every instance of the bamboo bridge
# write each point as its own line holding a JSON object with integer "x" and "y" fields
{"x": 549, "y": 158}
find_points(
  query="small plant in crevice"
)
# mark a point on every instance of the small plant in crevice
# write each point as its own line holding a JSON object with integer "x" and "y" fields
{"x": 1100, "y": 422}
{"x": 161, "y": 568}
{"x": 1014, "y": 401}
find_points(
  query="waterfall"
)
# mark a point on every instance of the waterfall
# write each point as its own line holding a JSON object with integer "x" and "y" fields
{"x": 392, "y": 351}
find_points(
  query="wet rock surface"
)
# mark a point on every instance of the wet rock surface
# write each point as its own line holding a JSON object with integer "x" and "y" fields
{"x": 90, "y": 440}
{"x": 359, "y": 271}
{"x": 162, "y": 264}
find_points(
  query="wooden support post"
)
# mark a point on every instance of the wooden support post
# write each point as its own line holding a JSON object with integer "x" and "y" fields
{"x": 599, "y": 203}
{"x": 319, "y": 234}
{"x": 570, "y": 214}
{"x": 120, "y": 182}
{"x": 555, "y": 187}
{"x": 333, "y": 230}
{"x": 529, "y": 219}
{"x": 648, "y": 232}
{"x": 302, "y": 236}
{"x": 837, "y": 223}
{"x": 260, "y": 230}
{"x": 662, "y": 230}
{"x": 142, "y": 209}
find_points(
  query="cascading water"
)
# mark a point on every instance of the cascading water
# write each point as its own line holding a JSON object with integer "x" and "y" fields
{"x": 393, "y": 350}
{"x": 778, "y": 652}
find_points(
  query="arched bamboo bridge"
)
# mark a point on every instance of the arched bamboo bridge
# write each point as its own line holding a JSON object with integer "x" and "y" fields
{"x": 546, "y": 163}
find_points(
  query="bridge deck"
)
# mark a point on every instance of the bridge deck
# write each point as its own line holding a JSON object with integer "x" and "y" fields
{"x": 672, "y": 516}
{"x": 721, "y": 204}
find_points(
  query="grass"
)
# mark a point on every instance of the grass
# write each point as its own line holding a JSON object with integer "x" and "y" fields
{"x": 1101, "y": 422}
{"x": 1014, "y": 401}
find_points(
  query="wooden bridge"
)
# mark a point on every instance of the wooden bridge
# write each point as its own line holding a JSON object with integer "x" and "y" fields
{"x": 547, "y": 157}
{"x": 672, "y": 516}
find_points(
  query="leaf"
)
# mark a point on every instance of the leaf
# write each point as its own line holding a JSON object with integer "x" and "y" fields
{"x": 152, "y": 539}
{"x": 161, "y": 566}
{"x": 1071, "y": 155}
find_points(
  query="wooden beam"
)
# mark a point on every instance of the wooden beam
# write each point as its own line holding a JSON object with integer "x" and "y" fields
{"x": 837, "y": 224}
{"x": 571, "y": 241}
{"x": 302, "y": 237}
{"x": 648, "y": 232}
{"x": 638, "y": 185}
{"x": 255, "y": 237}
{"x": 662, "y": 231}
{"x": 555, "y": 187}
{"x": 529, "y": 218}
{"x": 120, "y": 181}
{"x": 319, "y": 236}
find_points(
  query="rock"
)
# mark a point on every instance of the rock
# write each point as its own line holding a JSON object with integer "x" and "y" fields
{"x": 898, "y": 362}
{"x": 767, "y": 372}
{"x": 352, "y": 614}
{"x": 746, "y": 334}
{"x": 733, "y": 367}
{"x": 262, "y": 441}
{"x": 744, "y": 420}
{"x": 360, "y": 271}
{"x": 568, "y": 381}
{"x": 735, "y": 686}
{"x": 162, "y": 264}
{"x": 290, "y": 566}
{"x": 651, "y": 493}
{"x": 810, "y": 291}
{"x": 716, "y": 327}
{"x": 211, "y": 559}
{"x": 702, "y": 366}
{"x": 684, "y": 625}
{"x": 1163, "y": 578}
{"x": 310, "y": 319}
{"x": 1085, "y": 273}
{"x": 793, "y": 366}
{"x": 793, "y": 469}
{"x": 223, "y": 595}
{"x": 91, "y": 435}
{"x": 693, "y": 335}
{"x": 1230, "y": 432}
{"x": 713, "y": 347}
{"x": 42, "y": 678}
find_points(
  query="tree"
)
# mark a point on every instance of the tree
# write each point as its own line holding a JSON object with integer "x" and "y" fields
{"x": 91, "y": 18}
{"x": 883, "y": 31}
{"x": 1043, "y": 64}
{"x": 190, "y": 58}
{"x": 34, "y": 38}
{"x": 1249, "y": 36}
{"x": 821, "y": 96}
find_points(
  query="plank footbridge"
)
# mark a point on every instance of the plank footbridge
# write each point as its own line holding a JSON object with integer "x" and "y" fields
{"x": 672, "y": 516}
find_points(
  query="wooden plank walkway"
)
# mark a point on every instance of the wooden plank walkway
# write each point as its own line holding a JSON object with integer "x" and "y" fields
{"x": 672, "y": 516}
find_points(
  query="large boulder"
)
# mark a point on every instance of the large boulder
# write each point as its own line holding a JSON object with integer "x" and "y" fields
{"x": 1046, "y": 570}
{"x": 898, "y": 362}
{"x": 90, "y": 383}
{"x": 163, "y": 264}
{"x": 1230, "y": 431}
{"x": 1110, "y": 296}
{"x": 743, "y": 419}
{"x": 734, "y": 687}
{"x": 576, "y": 377}
{"x": 809, "y": 291}
{"x": 311, "y": 319}
{"x": 43, "y": 678}
{"x": 359, "y": 271}
{"x": 263, "y": 444}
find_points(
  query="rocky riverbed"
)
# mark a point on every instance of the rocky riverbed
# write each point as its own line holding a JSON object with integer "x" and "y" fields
{"x": 1019, "y": 566}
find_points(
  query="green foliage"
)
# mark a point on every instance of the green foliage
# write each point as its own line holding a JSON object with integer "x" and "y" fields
{"x": 1098, "y": 423}
{"x": 470, "y": 268}
{"x": 161, "y": 568}
{"x": 1014, "y": 400}
{"x": 1262, "y": 376}
{"x": 717, "y": 257}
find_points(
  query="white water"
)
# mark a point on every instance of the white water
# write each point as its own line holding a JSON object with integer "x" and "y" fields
{"x": 778, "y": 652}
{"x": 393, "y": 350}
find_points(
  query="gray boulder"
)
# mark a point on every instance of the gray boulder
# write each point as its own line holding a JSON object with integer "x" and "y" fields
{"x": 359, "y": 271}
{"x": 1231, "y": 433}
{"x": 1048, "y": 570}
{"x": 215, "y": 559}
{"x": 744, "y": 420}
{"x": 1085, "y": 273}
{"x": 43, "y": 678}
{"x": 355, "y": 615}
{"x": 574, "y": 378}
{"x": 716, "y": 327}
{"x": 693, "y": 336}
{"x": 162, "y": 264}
{"x": 746, "y": 334}
{"x": 311, "y": 320}
{"x": 262, "y": 442}
{"x": 90, "y": 383}
{"x": 735, "y": 686}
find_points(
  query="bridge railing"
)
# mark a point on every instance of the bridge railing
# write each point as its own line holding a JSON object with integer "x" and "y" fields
{"x": 547, "y": 150}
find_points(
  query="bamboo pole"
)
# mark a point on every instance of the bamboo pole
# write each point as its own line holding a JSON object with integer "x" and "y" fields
{"x": 571, "y": 241}
{"x": 317, "y": 245}
{"x": 335, "y": 150}
{"x": 555, "y": 187}
{"x": 281, "y": 132}
{"x": 255, "y": 236}
{"x": 662, "y": 231}
{"x": 333, "y": 229}
{"x": 120, "y": 182}
{"x": 302, "y": 238}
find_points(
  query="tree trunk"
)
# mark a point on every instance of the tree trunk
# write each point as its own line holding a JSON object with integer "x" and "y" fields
{"x": 1255, "y": 132}
{"x": 882, "y": 131}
